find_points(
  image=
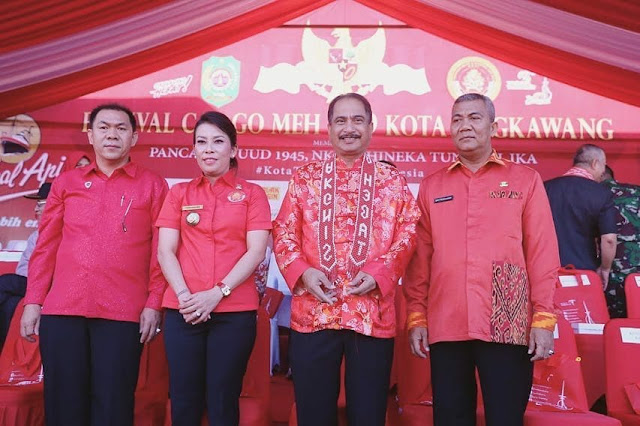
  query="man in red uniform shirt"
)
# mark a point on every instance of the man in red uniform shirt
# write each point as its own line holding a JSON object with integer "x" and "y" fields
{"x": 483, "y": 275}
{"x": 94, "y": 287}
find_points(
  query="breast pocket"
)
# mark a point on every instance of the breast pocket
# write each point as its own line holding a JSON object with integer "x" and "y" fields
{"x": 231, "y": 218}
{"x": 446, "y": 211}
{"x": 81, "y": 211}
{"x": 138, "y": 218}
{"x": 196, "y": 221}
{"x": 508, "y": 217}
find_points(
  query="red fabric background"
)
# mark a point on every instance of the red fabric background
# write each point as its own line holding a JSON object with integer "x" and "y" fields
{"x": 36, "y": 22}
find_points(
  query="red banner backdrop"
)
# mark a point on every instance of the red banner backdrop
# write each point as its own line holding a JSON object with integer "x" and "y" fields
{"x": 276, "y": 87}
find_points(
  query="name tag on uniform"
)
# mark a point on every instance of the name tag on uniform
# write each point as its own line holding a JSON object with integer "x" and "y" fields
{"x": 194, "y": 207}
{"x": 443, "y": 199}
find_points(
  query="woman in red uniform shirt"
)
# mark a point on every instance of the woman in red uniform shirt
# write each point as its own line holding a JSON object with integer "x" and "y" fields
{"x": 213, "y": 235}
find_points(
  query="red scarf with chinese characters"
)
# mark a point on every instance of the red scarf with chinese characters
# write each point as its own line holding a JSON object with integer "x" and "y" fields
{"x": 364, "y": 218}
{"x": 577, "y": 171}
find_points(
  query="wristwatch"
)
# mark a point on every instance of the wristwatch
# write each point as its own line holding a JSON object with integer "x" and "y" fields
{"x": 225, "y": 289}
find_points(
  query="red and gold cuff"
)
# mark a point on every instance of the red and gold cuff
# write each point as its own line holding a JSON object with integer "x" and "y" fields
{"x": 545, "y": 320}
{"x": 416, "y": 319}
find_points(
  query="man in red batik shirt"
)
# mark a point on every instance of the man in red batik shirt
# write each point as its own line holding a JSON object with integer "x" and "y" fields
{"x": 483, "y": 276}
{"x": 95, "y": 287}
{"x": 343, "y": 236}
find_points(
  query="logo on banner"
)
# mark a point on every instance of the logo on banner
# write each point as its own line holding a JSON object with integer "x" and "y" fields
{"x": 273, "y": 192}
{"x": 473, "y": 74}
{"x": 543, "y": 97}
{"x": 169, "y": 87}
{"x": 20, "y": 138}
{"x": 524, "y": 82}
{"x": 332, "y": 68}
{"x": 220, "y": 80}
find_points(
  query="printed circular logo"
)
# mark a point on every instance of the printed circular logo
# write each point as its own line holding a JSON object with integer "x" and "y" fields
{"x": 236, "y": 196}
{"x": 220, "y": 80}
{"x": 19, "y": 138}
{"x": 474, "y": 75}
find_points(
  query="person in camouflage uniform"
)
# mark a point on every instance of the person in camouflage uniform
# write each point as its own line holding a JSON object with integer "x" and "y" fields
{"x": 627, "y": 260}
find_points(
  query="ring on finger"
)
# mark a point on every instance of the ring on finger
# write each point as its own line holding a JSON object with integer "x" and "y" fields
{"x": 198, "y": 313}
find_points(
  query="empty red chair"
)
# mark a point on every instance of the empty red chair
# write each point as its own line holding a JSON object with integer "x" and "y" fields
{"x": 152, "y": 390}
{"x": 622, "y": 360}
{"x": 545, "y": 418}
{"x": 558, "y": 394}
{"x": 632, "y": 293}
{"x": 410, "y": 375}
{"x": 558, "y": 385}
{"x": 580, "y": 297}
{"x": 8, "y": 267}
{"x": 271, "y": 301}
{"x": 413, "y": 374}
{"x": 21, "y": 388}
{"x": 256, "y": 387}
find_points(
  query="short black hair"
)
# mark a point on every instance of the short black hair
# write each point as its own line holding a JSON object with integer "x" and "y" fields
{"x": 488, "y": 103}
{"x": 362, "y": 99}
{"x": 222, "y": 122}
{"x": 114, "y": 107}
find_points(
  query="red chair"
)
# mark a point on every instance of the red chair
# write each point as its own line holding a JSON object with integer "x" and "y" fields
{"x": 622, "y": 356}
{"x": 21, "y": 388}
{"x": 8, "y": 267}
{"x": 271, "y": 301}
{"x": 413, "y": 374}
{"x": 153, "y": 385}
{"x": 564, "y": 419}
{"x": 558, "y": 395}
{"x": 632, "y": 293}
{"x": 256, "y": 386}
{"x": 544, "y": 408}
{"x": 580, "y": 297}
{"x": 557, "y": 381}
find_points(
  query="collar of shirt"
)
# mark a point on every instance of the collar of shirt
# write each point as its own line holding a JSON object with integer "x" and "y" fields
{"x": 130, "y": 168}
{"x": 341, "y": 164}
{"x": 493, "y": 158}
{"x": 228, "y": 178}
{"x": 580, "y": 172}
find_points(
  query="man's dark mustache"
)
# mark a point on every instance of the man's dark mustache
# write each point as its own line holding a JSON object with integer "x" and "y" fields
{"x": 350, "y": 135}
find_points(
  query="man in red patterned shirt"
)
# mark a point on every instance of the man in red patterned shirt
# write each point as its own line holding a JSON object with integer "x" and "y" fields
{"x": 483, "y": 276}
{"x": 94, "y": 287}
{"x": 343, "y": 236}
